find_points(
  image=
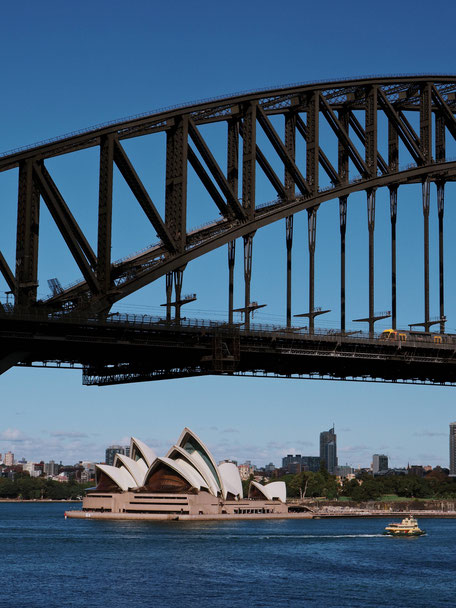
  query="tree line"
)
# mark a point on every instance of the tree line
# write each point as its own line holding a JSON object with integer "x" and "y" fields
{"x": 435, "y": 485}
{"x": 34, "y": 488}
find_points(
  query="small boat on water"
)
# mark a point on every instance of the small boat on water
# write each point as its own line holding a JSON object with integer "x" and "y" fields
{"x": 407, "y": 527}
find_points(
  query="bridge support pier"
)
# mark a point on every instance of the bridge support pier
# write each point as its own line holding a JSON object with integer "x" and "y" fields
{"x": 393, "y": 214}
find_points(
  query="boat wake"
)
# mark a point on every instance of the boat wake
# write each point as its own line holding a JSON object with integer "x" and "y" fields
{"x": 304, "y": 536}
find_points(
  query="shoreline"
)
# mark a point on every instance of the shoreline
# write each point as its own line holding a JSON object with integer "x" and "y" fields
{"x": 256, "y": 516}
{"x": 35, "y": 500}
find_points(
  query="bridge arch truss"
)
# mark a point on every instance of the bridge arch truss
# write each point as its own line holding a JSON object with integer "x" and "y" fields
{"x": 303, "y": 109}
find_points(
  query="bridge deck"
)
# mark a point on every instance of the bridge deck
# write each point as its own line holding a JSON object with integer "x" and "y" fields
{"x": 114, "y": 351}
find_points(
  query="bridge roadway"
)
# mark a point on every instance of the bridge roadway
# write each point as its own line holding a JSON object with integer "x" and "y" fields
{"x": 131, "y": 348}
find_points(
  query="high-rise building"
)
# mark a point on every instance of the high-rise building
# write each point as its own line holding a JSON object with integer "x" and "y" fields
{"x": 298, "y": 463}
{"x": 379, "y": 463}
{"x": 453, "y": 449}
{"x": 9, "y": 459}
{"x": 328, "y": 450}
{"x": 111, "y": 452}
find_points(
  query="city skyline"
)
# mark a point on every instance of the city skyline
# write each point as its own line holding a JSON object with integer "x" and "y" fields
{"x": 308, "y": 449}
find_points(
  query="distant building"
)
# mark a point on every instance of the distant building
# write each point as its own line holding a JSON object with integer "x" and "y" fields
{"x": 328, "y": 450}
{"x": 310, "y": 463}
{"x": 452, "y": 449}
{"x": 246, "y": 469}
{"x": 297, "y": 464}
{"x": 111, "y": 451}
{"x": 32, "y": 469}
{"x": 416, "y": 469}
{"x": 343, "y": 471}
{"x": 9, "y": 459}
{"x": 269, "y": 468}
{"x": 51, "y": 468}
{"x": 379, "y": 463}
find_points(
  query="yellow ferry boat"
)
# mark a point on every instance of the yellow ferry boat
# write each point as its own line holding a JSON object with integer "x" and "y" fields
{"x": 407, "y": 527}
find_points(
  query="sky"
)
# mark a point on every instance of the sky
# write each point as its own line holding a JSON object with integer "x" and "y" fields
{"x": 67, "y": 66}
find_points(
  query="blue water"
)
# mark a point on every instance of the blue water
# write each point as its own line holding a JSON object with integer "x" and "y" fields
{"x": 47, "y": 561}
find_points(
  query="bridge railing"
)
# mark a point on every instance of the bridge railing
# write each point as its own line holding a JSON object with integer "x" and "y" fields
{"x": 144, "y": 321}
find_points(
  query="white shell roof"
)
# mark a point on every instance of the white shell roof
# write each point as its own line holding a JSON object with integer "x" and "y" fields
{"x": 199, "y": 465}
{"x": 136, "y": 468}
{"x": 120, "y": 477}
{"x": 276, "y": 489}
{"x": 147, "y": 452}
{"x": 189, "y": 434}
{"x": 182, "y": 468}
{"x": 231, "y": 479}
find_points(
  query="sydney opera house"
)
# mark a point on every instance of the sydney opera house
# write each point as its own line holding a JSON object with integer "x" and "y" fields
{"x": 186, "y": 483}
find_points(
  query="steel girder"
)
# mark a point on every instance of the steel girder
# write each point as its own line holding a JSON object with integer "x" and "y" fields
{"x": 303, "y": 108}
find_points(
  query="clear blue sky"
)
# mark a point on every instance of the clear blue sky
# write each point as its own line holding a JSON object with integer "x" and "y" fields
{"x": 67, "y": 66}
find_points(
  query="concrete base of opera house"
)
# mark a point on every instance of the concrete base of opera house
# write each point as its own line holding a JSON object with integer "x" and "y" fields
{"x": 170, "y": 506}
{"x": 174, "y": 517}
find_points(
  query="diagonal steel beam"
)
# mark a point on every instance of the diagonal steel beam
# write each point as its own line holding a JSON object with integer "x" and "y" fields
{"x": 7, "y": 273}
{"x": 216, "y": 171}
{"x": 137, "y": 187}
{"x": 411, "y": 131}
{"x": 361, "y": 134}
{"x": 404, "y": 129}
{"x": 322, "y": 158}
{"x": 279, "y": 147}
{"x": 267, "y": 169}
{"x": 342, "y": 135}
{"x": 64, "y": 212}
{"x": 448, "y": 115}
{"x": 67, "y": 225}
{"x": 208, "y": 183}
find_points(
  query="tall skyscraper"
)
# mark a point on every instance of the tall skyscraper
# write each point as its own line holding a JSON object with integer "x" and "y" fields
{"x": 9, "y": 459}
{"x": 453, "y": 448}
{"x": 379, "y": 463}
{"x": 328, "y": 450}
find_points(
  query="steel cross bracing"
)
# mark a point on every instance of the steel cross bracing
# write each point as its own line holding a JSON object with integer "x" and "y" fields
{"x": 359, "y": 166}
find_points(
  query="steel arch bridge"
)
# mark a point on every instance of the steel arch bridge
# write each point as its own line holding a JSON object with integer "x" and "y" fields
{"x": 356, "y": 112}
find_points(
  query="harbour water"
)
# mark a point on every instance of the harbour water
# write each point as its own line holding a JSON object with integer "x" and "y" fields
{"x": 51, "y": 562}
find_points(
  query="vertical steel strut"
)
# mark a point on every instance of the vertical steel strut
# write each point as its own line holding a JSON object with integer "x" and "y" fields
{"x": 312, "y": 230}
{"x": 425, "y": 195}
{"x": 289, "y": 241}
{"x": 105, "y": 213}
{"x": 393, "y": 214}
{"x": 248, "y": 246}
{"x": 231, "y": 259}
{"x": 343, "y": 230}
{"x": 233, "y": 180}
{"x": 371, "y": 227}
{"x": 248, "y": 195}
{"x": 290, "y": 144}
{"x": 28, "y": 218}
{"x": 178, "y": 278}
{"x": 169, "y": 294}
{"x": 440, "y": 209}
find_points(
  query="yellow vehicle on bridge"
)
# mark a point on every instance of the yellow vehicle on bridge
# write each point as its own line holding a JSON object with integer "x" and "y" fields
{"x": 400, "y": 335}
